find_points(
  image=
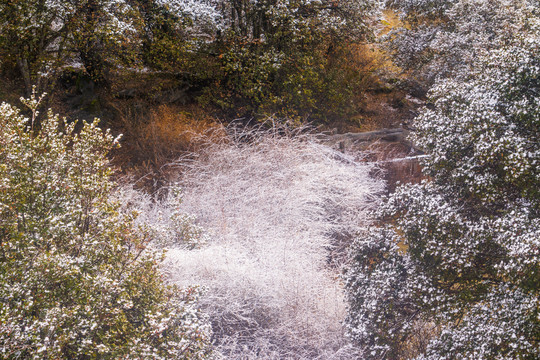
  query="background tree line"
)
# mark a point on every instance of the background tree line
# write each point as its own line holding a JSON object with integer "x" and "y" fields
{"x": 291, "y": 57}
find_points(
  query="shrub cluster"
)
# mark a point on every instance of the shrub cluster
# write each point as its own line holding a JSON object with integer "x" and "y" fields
{"x": 77, "y": 280}
{"x": 456, "y": 258}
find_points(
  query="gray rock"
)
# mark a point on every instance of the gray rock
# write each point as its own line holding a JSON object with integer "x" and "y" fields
{"x": 126, "y": 94}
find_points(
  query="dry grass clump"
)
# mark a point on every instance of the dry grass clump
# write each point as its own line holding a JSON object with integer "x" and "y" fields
{"x": 274, "y": 206}
{"x": 170, "y": 130}
{"x": 154, "y": 136}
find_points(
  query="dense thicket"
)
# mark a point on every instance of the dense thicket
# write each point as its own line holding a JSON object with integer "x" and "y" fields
{"x": 455, "y": 271}
{"x": 77, "y": 280}
{"x": 444, "y": 38}
{"x": 449, "y": 269}
{"x": 292, "y": 57}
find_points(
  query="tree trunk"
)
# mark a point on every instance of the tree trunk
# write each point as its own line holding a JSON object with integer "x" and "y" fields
{"x": 91, "y": 46}
{"x": 22, "y": 63}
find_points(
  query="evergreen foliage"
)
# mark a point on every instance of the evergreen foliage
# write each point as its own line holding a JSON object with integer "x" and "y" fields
{"x": 289, "y": 57}
{"x": 77, "y": 280}
{"x": 445, "y": 37}
{"x": 39, "y": 38}
{"x": 458, "y": 260}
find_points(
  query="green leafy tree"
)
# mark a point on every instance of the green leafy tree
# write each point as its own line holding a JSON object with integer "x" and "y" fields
{"x": 38, "y": 38}
{"x": 77, "y": 279}
{"x": 26, "y": 32}
{"x": 279, "y": 56}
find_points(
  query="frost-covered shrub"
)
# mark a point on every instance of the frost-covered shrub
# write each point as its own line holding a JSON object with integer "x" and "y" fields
{"x": 276, "y": 208}
{"x": 76, "y": 279}
{"x": 468, "y": 261}
{"x": 163, "y": 219}
{"x": 445, "y": 37}
{"x": 380, "y": 287}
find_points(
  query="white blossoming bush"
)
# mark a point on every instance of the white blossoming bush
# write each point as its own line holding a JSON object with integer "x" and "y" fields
{"x": 76, "y": 279}
{"x": 459, "y": 256}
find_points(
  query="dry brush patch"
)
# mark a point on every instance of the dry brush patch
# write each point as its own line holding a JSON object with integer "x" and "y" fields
{"x": 273, "y": 206}
{"x": 155, "y": 135}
